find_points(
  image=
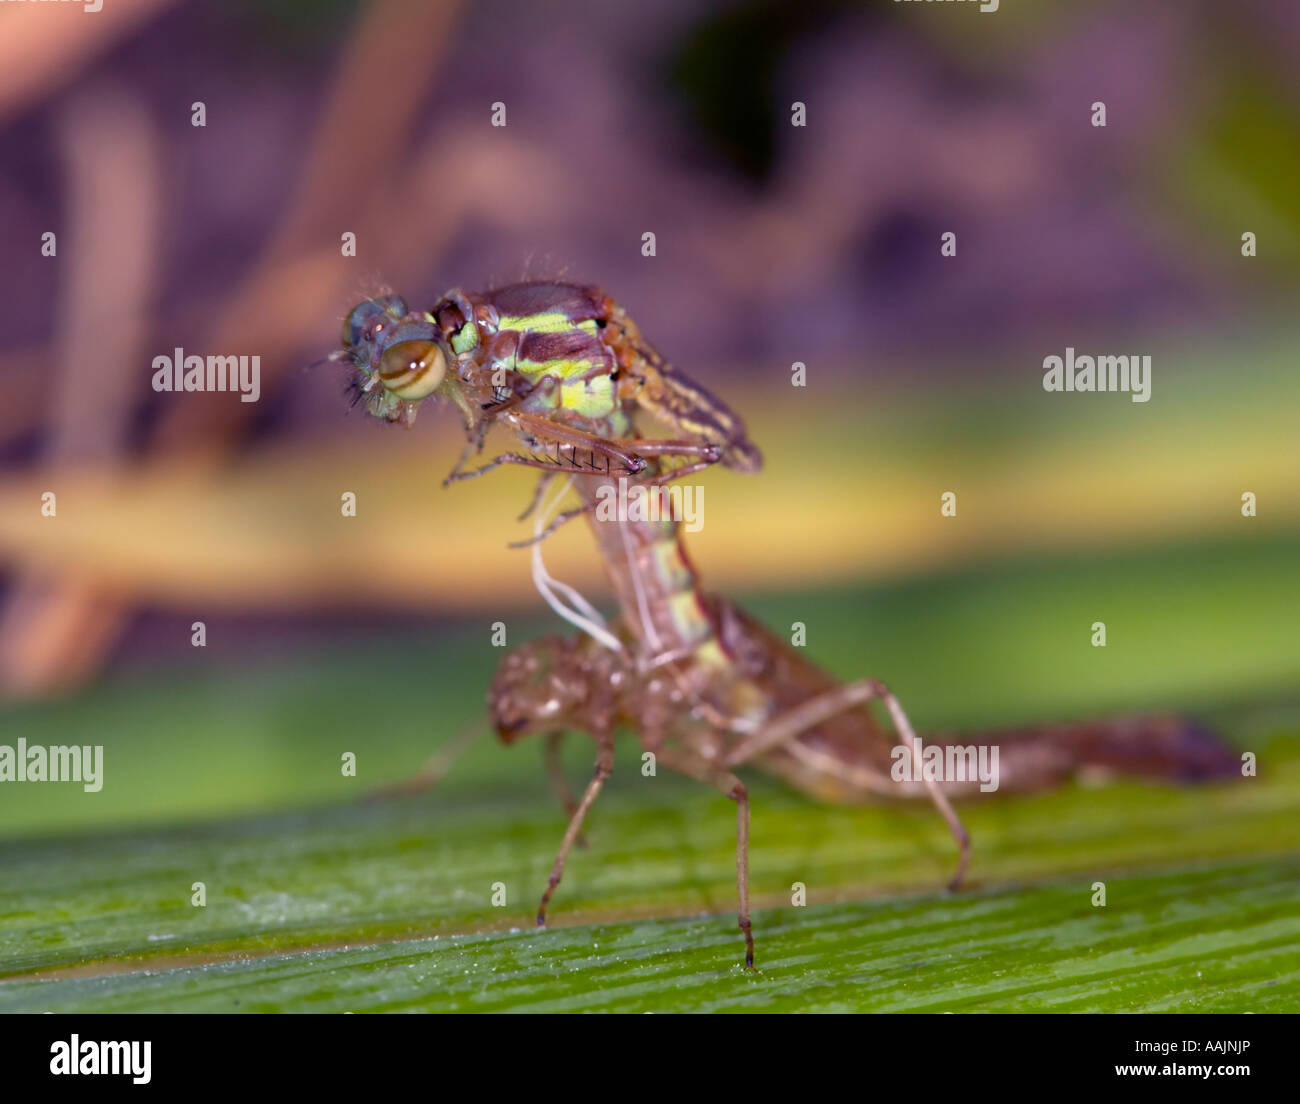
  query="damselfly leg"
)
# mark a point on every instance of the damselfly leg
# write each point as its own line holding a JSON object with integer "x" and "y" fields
{"x": 784, "y": 730}
{"x": 434, "y": 770}
{"x": 655, "y": 477}
{"x": 554, "y": 447}
{"x": 695, "y": 766}
{"x": 604, "y": 765}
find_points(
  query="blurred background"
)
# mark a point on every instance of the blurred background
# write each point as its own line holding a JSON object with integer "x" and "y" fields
{"x": 774, "y": 244}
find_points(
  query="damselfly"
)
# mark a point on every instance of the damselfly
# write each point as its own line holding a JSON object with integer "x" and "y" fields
{"x": 562, "y": 365}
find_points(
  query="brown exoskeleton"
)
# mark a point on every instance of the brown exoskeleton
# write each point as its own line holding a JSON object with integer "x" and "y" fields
{"x": 759, "y": 702}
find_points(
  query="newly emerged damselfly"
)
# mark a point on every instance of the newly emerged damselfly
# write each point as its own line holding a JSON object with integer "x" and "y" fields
{"x": 562, "y": 365}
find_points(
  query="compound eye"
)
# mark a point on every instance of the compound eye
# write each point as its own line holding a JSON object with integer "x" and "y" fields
{"x": 369, "y": 319}
{"x": 412, "y": 370}
{"x": 357, "y": 325}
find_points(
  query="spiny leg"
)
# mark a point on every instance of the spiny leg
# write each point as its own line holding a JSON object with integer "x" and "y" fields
{"x": 624, "y": 457}
{"x": 537, "y": 432}
{"x": 604, "y": 764}
{"x": 473, "y": 444}
{"x": 655, "y": 479}
{"x": 604, "y": 456}
{"x": 559, "y": 519}
{"x": 457, "y": 476}
{"x": 698, "y": 767}
{"x": 629, "y": 453}
{"x": 789, "y": 725}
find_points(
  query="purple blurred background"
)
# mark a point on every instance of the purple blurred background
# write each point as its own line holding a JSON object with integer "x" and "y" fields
{"x": 775, "y": 243}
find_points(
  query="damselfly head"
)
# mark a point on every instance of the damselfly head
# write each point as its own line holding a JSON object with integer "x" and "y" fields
{"x": 400, "y": 357}
{"x": 533, "y": 689}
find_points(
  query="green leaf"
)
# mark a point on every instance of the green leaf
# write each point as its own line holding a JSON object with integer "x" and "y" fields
{"x": 1226, "y": 938}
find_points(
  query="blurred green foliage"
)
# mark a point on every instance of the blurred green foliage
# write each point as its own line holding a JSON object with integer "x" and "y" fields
{"x": 1190, "y": 627}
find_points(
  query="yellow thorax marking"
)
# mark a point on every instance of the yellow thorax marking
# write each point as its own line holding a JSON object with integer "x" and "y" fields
{"x": 545, "y": 322}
